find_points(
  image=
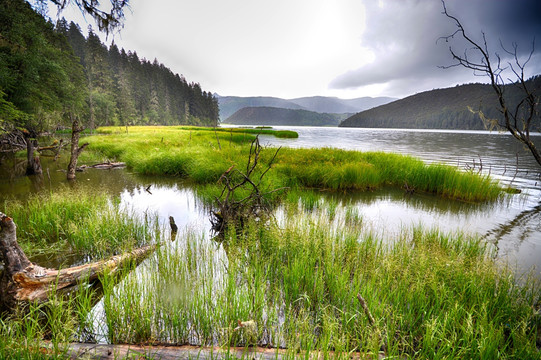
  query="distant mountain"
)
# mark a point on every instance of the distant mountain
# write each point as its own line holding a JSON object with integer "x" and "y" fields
{"x": 439, "y": 109}
{"x": 340, "y": 106}
{"x": 230, "y": 104}
{"x": 279, "y": 116}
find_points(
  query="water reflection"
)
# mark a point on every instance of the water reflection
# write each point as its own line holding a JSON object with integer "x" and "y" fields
{"x": 166, "y": 200}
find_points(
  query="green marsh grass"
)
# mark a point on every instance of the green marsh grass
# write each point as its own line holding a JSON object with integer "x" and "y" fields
{"x": 254, "y": 131}
{"x": 195, "y": 154}
{"x": 22, "y": 332}
{"x": 76, "y": 222}
{"x": 295, "y": 283}
{"x": 433, "y": 295}
{"x": 65, "y": 223}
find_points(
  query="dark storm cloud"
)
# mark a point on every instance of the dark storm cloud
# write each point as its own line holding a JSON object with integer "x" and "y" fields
{"x": 403, "y": 35}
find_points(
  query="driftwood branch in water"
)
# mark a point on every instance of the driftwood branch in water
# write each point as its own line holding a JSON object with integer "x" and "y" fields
{"x": 174, "y": 228}
{"x": 12, "y": 141}
{"x": 23, "y": 281}
{"x": 104, "y": 165}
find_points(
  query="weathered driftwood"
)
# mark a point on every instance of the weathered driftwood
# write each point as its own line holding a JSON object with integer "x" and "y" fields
{"x": 33, "y": 166}
{"x": 108, "y": 165}
{"x": 12, "y": 141}
{"x": 23, "y": 282}
{"x": 373, "y": 323}
{"x": 103, "y": 352}
{"x": 105, "y": 166}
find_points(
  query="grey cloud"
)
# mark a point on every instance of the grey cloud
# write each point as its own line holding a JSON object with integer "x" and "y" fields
{"x": 403, "y": 35}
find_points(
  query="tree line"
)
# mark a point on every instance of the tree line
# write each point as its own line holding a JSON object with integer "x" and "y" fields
{"x": 123, "y": 89}
{"x": 51, "y": 74}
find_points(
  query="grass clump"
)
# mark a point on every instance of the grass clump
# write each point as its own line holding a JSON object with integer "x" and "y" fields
{"x": 197, "y": 155}
{"x": 76, "y": 222}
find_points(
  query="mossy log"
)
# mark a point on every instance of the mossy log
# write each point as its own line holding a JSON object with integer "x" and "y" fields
{"x": 24, "y": 282}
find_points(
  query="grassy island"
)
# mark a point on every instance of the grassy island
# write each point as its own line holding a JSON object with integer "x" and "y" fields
{"x": 202, "y": 156}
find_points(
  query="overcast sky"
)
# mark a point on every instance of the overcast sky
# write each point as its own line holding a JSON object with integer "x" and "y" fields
{"x": 343, "y": 48}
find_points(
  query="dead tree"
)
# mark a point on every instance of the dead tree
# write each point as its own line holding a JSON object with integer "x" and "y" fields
{"x": 75, "y": 148}
{"x": 23, "y": 282}
{"x": 231, "y": 211}
{"x": 33, "y": 166}
{"x": 518, "y": 119}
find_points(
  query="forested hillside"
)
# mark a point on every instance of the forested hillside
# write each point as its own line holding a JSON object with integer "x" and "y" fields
{"x": 439, "y": 109}
{"x": 278, "y": 116}
{"x": 123, "y": 88}
{"x": 51, "y": 74}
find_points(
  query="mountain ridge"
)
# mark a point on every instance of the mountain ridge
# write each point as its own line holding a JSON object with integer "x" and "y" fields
{"x": 321, "y": 104}
{"x": 265, "y": 115}
{"x": 449, "y": 108}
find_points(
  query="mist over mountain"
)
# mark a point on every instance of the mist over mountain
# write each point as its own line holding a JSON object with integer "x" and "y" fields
{"x": 335, "y": 105}
{"x": 321, "y": 104}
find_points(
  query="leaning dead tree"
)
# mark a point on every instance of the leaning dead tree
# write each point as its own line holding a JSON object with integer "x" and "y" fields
{"x": 75, "y": 148}
{"x": 23, "y": 282}
{"x": 519, "y": 118}
{"x": 234, "y": 211}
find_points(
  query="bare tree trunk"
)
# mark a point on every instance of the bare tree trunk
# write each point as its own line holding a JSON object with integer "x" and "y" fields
{"x": 75, "y": 148}
{"x": 33, "y": 166}
{"x": 23, "y": 281}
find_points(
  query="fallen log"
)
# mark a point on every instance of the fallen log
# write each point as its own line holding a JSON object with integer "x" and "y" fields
{"x": 108, "y": 165}
{"x": 24, "y": 282}
{"x": 103, "y": 166}
{"x": 186, "y": 352}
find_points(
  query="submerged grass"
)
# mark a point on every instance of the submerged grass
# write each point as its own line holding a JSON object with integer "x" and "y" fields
{"x": 432, "y": 295}
{"x": 197, "y": 155}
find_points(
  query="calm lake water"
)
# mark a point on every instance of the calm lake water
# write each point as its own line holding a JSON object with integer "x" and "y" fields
{"x": 513, "y": 225}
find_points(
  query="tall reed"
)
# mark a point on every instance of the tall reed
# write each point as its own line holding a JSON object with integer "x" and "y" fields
{"x": 295, "y": 285}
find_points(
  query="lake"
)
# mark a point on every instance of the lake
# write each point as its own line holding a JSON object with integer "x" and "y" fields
{"x": 512, "y": 225}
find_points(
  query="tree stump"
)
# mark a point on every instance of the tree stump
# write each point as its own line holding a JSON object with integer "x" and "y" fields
{"x": 23, "y": 282}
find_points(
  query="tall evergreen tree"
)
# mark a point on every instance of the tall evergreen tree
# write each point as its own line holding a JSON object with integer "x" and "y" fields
{"x": 40, "y": 75}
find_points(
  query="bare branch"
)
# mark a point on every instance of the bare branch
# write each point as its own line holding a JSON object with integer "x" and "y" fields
{"x": 518, "y": 121}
